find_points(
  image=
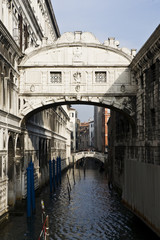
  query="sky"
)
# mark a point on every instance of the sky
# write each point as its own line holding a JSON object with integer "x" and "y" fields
{"x": 131, "y": 22}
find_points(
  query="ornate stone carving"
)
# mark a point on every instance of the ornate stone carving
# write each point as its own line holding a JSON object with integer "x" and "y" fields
{"x": 78, "y": 97}
{"x": 9, "y": 2}
{"x": 123, "y": 88}
{"x": 128, "y": 103}
{"x": 32, "y": 88}
{"x": 77, "y": 77}
{"x": 77, "y": 88}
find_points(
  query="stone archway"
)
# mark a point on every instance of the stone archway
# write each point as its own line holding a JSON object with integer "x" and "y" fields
{"x": 77, "y": 68}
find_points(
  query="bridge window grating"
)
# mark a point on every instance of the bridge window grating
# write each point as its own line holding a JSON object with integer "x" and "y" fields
{"x": 55, "y": 77}
{"x": 100, "y": 77}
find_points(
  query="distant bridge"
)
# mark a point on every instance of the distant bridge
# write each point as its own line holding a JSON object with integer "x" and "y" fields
{"x": 84, "y": 154}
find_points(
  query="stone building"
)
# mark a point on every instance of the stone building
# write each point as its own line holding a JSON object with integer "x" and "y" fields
{"x": 101, "y": 116}
{"x": 43, "y": 135}
{"x": 73, "y": 128}
{"x": 134, "y": 146}
{"x": 84, "y": 136}
{"x": 91, "y": 134}
{"x": 78, "y": 134}
{"x": 119, "y": 132}
{"x": 80, "y": 69}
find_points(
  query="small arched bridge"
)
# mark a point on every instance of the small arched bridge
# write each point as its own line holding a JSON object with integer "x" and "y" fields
{"x": 90, "y": 154}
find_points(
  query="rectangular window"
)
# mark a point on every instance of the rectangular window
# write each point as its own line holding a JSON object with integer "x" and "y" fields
{"x": 100, "y": 77}
{"x": 55, "y": 77}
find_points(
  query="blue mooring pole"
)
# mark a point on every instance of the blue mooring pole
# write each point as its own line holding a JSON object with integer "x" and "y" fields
{"x": 28, "y": 192}
{"x": 50, "y": 175}
{"x": 32, "y": 188}
{"x": 60, "y": 170}
{"x": 57, "y": 170}
{"x": 54, "y": 176}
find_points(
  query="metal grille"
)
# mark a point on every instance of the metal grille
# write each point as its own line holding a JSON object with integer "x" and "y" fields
{"x": 100, "y": 77}
{"x": 55, "y": 77}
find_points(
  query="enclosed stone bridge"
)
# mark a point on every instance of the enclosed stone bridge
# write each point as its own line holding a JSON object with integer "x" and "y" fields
{"x": 77, "y": 68}
{"x": 90, "y": 154}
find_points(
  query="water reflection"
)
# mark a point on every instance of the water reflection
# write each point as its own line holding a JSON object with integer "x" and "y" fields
{"x": 93, "y": 212}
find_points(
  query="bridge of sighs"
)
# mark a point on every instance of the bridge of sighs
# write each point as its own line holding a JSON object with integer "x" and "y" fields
{"x": 77, "y": 68}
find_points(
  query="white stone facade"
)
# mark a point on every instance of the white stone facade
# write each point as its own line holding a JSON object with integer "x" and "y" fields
{"x": 26, "y": 24}
{"x": 73, "y": 127}
{"x": 77, "y": 68}
{"x": 29, "y": 22}
{"x": 39, "y": 70}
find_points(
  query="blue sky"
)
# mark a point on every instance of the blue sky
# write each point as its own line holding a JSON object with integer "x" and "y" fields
{"x": 131, "y": 22}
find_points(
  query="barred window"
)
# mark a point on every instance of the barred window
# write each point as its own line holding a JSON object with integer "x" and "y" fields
{"x": 55, "y": 77}
{"x": 100, "y": 77}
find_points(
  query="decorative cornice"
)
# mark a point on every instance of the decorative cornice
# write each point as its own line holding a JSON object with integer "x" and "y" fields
{"x": 8, "y": 40}
{"x": 8, "y": 63}
{"x": 148, "y": 51}
{"x": 53, "y": 18}
{"x": 33, "y": 18}
{"x": 9, "y": 115}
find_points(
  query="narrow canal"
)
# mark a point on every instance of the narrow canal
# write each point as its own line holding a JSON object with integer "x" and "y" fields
{"x": 93, "y": 213}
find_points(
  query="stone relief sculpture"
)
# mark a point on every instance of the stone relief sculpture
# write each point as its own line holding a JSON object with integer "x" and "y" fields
{"x": 77, "y": 77}
{"x": 77, "y": 88}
